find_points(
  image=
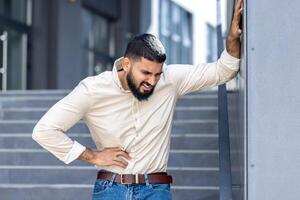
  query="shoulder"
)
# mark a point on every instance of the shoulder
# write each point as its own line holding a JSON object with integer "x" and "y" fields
{"x": 176, "y": 70}
{"x": 93, "y": 83}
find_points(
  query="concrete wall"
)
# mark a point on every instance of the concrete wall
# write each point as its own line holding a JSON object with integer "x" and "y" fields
{"x": 273, "y": 100}
{"x": 70, "y": 67}
{"x": 43, "y": 53}
{"x": 57, "y": 50}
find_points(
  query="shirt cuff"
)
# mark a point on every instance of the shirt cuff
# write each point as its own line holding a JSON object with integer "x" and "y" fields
{"x": 74, "y": 153}
{"x": 230, "y": 61}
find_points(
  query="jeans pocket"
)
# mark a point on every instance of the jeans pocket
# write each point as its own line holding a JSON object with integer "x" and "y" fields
{"x": 100, "y": 186}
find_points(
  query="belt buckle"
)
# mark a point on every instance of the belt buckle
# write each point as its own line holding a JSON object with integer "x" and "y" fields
{"x": 122, "y": 179}
{"x": 136, "y": 179}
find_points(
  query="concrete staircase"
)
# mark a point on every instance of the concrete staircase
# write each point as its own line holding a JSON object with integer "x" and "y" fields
{"x": 28, "y": 172}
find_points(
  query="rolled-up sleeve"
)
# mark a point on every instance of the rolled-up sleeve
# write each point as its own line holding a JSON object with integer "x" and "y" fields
{"x": 189, "y": 78}
{"x": 50, "y": 131}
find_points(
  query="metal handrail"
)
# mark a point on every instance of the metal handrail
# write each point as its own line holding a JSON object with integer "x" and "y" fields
{"x": 225, "y": 177}
{"x": 3, "y": 70}
{"x": 225, "y": 181}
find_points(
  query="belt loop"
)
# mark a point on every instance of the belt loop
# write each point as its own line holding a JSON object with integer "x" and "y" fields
{"x": 112, "y": 179}
{"x": 146, "y": 179}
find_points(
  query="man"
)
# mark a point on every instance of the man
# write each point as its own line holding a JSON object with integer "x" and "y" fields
{"x": 129, "y": 114}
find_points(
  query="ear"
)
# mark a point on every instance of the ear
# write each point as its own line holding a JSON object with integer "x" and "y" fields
{"x": 126, "y": 64}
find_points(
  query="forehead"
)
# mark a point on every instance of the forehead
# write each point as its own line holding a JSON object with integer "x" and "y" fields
{"x": 145, "y": 64}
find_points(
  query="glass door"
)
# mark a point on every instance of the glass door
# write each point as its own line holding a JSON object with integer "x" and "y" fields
{"x": 15, "y": 20}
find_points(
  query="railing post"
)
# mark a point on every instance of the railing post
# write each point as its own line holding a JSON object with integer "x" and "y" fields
{"x": 224, "y": 146}
{"x": 225, "y": 180}
{"x": 3, "y": 69}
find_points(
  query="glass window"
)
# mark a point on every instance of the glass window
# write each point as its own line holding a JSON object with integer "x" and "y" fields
{"x": 14, "y": 9}
{"x": 165, "y": 16}
{"x": 98, "y": 42}
{"x": 15, "y": 58}
{"x": 14, "y": 14}
{"x": 175, "y": 32}
{"x": 211, "y": 38}
{"x": 186, "y": 38}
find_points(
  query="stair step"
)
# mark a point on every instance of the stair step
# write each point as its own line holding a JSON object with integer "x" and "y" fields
{"x": 211, "y": 193}
{"x": 198, "y": 100}
{"x": 46, "y": 193}
{"x": 37, "y": 93}
{"x": 209, "y": 143}
{"x": 179, "y": 126}
{"x": 29, "y": 102}
{"x": 84, "y": 192}
{"x": 177, "y": 158}
{"x": 60, "y": 92}
{"x": 28, "y": 113}
{"x": 48, "y": 101}
{"x": 194, "y": 150}
{"x": 87, "y": 176}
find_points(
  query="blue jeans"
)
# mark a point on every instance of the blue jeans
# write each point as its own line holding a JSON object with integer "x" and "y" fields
{"x": 109, "y": 190}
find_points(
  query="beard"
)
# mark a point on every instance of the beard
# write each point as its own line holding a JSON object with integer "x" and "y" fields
{"x": 141, "y": 96}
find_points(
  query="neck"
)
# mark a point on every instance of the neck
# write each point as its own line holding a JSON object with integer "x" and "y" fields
{"x": 122, "y": 77}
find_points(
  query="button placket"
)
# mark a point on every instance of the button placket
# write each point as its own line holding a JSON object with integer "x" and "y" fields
{"x": 136, "y": 115}
{"x": 134, "y": 110}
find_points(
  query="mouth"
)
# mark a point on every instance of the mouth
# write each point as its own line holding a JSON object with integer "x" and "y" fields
{"x": 146, "y": 87}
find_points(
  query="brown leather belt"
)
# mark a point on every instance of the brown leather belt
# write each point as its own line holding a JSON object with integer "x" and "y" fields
{"x": 160, "y": 177}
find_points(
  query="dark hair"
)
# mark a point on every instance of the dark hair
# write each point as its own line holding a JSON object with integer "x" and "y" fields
{"x": 147, "y": 46}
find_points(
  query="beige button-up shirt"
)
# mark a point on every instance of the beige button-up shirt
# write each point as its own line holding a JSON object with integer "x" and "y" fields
{"x": 115, "y": 118}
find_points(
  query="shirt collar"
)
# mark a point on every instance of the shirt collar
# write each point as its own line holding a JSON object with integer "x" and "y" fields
{"x": 116, "y": 78}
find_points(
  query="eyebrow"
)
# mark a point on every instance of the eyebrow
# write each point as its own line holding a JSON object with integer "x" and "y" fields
{"x": 159, "y": 73}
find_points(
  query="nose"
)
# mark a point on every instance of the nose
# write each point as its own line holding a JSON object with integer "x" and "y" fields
{"x": 152, "y": 80}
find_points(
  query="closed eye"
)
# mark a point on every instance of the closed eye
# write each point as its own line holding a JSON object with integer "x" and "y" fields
{"x": 146, "y": 72}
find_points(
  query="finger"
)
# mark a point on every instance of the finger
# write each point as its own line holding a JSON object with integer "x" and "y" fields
{"x": 113, "y": 148}
{"x": 237, "y": 33}
{"x": 120, "y": 159}
{"x": 124, "y": 154}
{"x": 237, "y": 15}
{"x": 120, "y": 164}
{"x": 238, "y": 4}
{"x": 241, "y": 10}
{"x": 238, "y": 9}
